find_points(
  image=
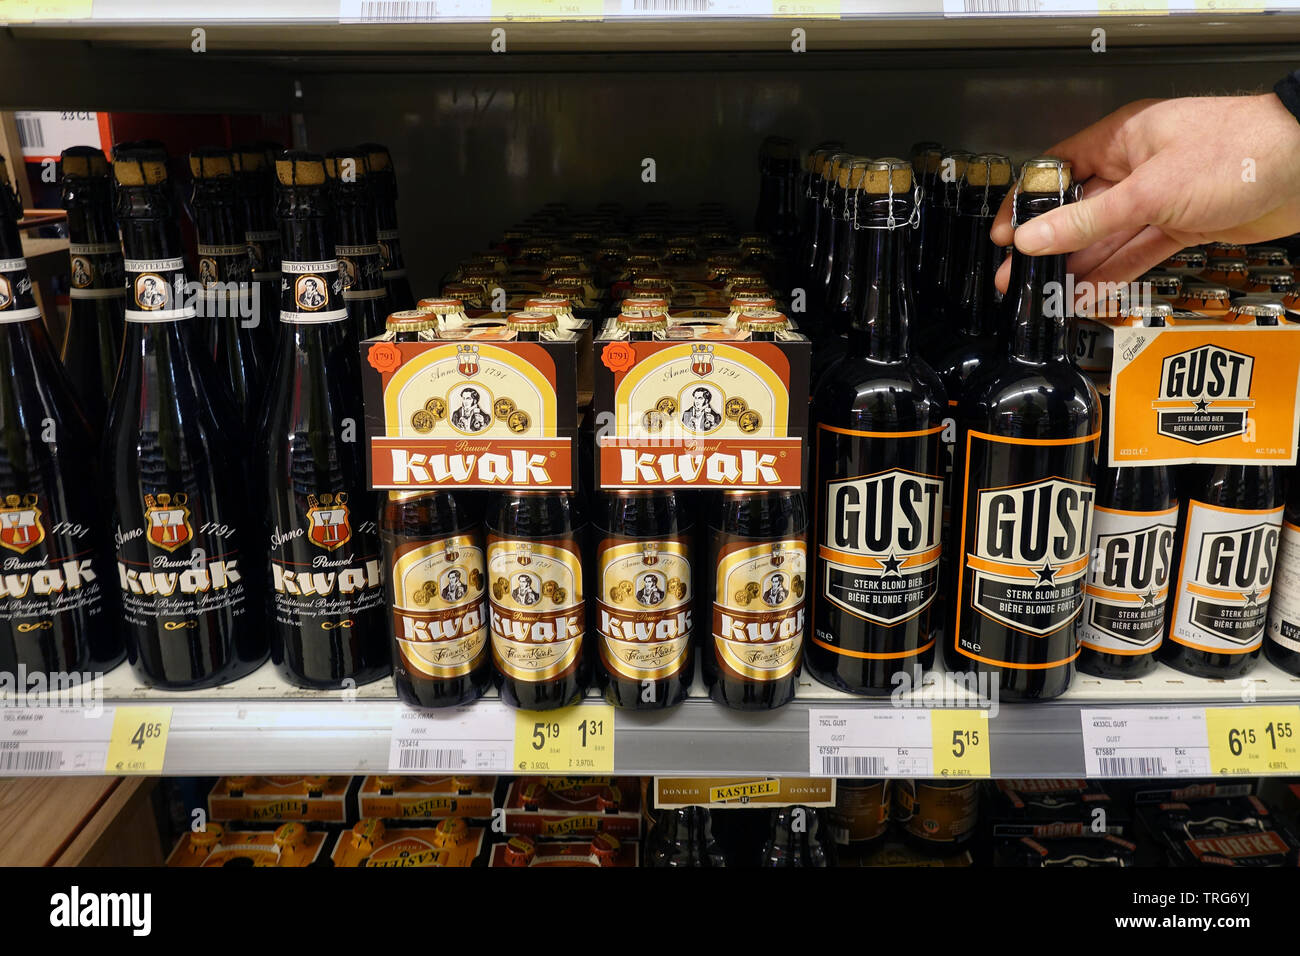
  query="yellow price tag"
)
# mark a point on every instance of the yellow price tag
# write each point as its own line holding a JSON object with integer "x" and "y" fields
{"x": 139, "y": 740}
{"x": 548, "y": 9}
{"x": 31, "y": 11}
{"x": 961, "y": 742}
{"x": 807, "y": 9}
{"x": 578, "y": 739}
{"x": 1254, "y": 740}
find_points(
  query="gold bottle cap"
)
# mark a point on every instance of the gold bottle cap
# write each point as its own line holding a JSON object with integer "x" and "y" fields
{"x": 211, "y": 164}
{"x": 641, "y": 322}
{"x": 463, "y": 290}
{"x": 442, "y": 305}
{"x": 413, "y": 320}
{"x": 297, "y": 168}
{"x": 550, "y": 304}
{"x": 83, "y": 162}
{"x": 315, "y": 784}
{"x": 749, "y": 301}
{"x": 388, "y": 781}
{"x": 144, "y": 166}
{"x": 346, "y": 165}
{"x": 208, "y": 837}
{"x": 290, "y": 836}
{"x": 762, "y": 320}
{"x": 988, "y": 169}
{"x": 644, "y": 303}
{"x": 1270, "y": 312}
{"x": 450, "y": 832}
{"x": 605, "y": 847}
{"x": 1046, "y": 175}
{"x": 531, "y": 322}
{"x": 367, "y": 834}
{"x": 238, "y": 784}
{"x": 520, "y": 851}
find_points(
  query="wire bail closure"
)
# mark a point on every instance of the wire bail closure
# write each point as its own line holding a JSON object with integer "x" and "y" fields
{"x": 891, "y": 221}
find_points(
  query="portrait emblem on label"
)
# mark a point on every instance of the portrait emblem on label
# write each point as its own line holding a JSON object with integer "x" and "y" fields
{"x": 83, "y": 272}
{"x": 327, "y": 518}
{"x": 702, "y": 412}
{"x": 167, "y": 521}
{"x": 469, "y": 415}
{"x": 151, "y": 292}
{"x": 20, "y": 523}
{"x": 208, "y": 272}
{"x": 309, "y": 293}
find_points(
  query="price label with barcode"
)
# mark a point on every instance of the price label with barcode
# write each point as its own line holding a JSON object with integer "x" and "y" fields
{"x": 36, "y": 741}
{"x": 1145, "y": 742}
{"x": 479, "y": 738}
{"x": 870, "y": 742}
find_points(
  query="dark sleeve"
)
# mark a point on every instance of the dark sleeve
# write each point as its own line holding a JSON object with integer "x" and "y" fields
{"x": 1288, "y": 91}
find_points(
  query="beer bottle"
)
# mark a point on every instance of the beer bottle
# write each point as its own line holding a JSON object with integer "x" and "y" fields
{"x": 326, "y": 611}
{"x": 879, "y": 468}
{"x": 1283, "y": 644}
{"x": 758, "y": 554}
{"x": 356, "y": 238}
{"x": 92, "y": 344}
{"x": 255, "y": 188}
{"x": 795, "y": 838}
{"x": 927, "y": 163}
{"x": 188, "y": 565}
{"x": 953, "y": 256}
{"x": 819, "y": 282}
{"x": 932, "y": 294}
{"x": 58, "y": 613}
{"x": 1134, "y": 527}
{"x": 228, "y": 309}
{"x": 815, "y": 219}
{"x": 776, "y": 216}
{"x": 535, "y": 551}
{"x": 859, "y": 822}
{"x": 1025, "y": 460}
{"x": 645, "y": 600}
{"x": 937, "y": 817}
{"x": 383, "y": 179}
{"x": 682, "y": 837}
{"x": 842, "y": 289}
{"x": 1232, "y": 524}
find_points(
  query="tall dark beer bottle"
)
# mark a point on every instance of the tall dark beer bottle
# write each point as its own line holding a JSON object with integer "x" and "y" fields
{"x": 879, "y": 468}
{"x": 92, "y": 345}
{"x": 796, "y": 838}
{"x": 228, "y": 309}
{"x": 927, "y": 162}
{"x": 188, "y": 563}
{"x": 842, "y": 291}
{"x": 383, "y": 179}
{"x": 537, "y": 597}
{"x": 932, "y": 296}
{"x": 645, "y": 597}
{"x": 682, "y": 837}
{"x": 356, "y": 238}
{"x": 1025, "y": 461}
{"x": 57, "y": 612}
{"x": 255, "y": 187}
{"x": 326, "y": 593}
{"x": 1283, "y": 644}
{"x": 815, "y": 218}
{"x": 758, "y": 555}
{"x": 1134, "y": 528}
{"x": 1226, "y": 558}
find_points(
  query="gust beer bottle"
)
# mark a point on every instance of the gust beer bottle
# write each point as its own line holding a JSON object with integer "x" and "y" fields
{"x": 92, "y": 345}
{"x": 58, "y": 612}
{"x": 645, "y": 600}
{"x": 228, "y": 309}
{"x": 815, "y": 220}
{"x": 326, "y": 596}
{"x": 758, "y": 554}
{"x": 842, "y": 291}
{"x": 1024, "y": 463}
{"x": 879, "y": 468}
{"x": 932, "y": 295}
{"x": 1283, "y": 644}
{"x": 1226, "y": 558}
{"x": 188, "y": 565}
{"x": 535, "y": 551}
{"x": 356, "y": 238}
{"x": 255, "y": 187}
{"x": 383, "y": 179}
{"x": 927, "y": 162}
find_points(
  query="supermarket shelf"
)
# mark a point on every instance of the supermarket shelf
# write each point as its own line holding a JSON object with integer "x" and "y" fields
{"x": 262, "y": 725}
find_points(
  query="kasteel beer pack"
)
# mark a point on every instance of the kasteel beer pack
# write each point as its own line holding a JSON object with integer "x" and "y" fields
{"x": 316, "y": 799}
{"x": 564, "y": 807}
{"x": 602, "y": 850}
{"x": 427, "y": 798}
{"x": 291, "y": 845}
{"x": 743, "y": 792}
{"x": 372, "y": 843}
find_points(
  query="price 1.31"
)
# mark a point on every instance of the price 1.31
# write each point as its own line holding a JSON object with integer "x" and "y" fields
{"x": 578, "y": 738}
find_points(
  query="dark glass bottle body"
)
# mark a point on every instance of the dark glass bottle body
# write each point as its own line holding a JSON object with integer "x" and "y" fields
{"x": 758, "y": 559}
{"x": 393, "y": 264}
{"x": 796, "y": 838}
{"x": 356, "y": 238}
{"x": 879, "y": 416}
{"x": 254, "y": 186}
{"x": 683, "y": 838}
{"x": 1024, "y": 467}
{"x": 645, "y": 597}
{"x": 1282, "y": 644}
{"x": 536, "y": 566}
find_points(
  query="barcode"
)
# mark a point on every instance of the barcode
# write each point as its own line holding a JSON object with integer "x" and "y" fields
{"x": 31, "y": 760}
{"x": 418, "y": 759}
{"x": 675, "y": 6}
{"x": 1131, "y": 766}
{"x": 396, "y": 10}
{"x": 1002, "y": 6}
{"x": 30, "y": 134}
{"x": 854, "y": 766}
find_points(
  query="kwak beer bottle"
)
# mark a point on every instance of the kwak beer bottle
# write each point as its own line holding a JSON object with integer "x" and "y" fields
{"x": 356, "y": 237}
{"x": 92, "y": 345}
{"x": 325, "y": 602}
{"x": 758, "y": 556}
{"x": 1283, "y": 644}
{"x": 56, "y": 608}
{"x": 383, "y": 179}
{"x": 188, "y": 565}
{"x": 228, "y": 308}
{"x": 645, "y": 601}
{"x": 879, "y": 468}
{"x": 1025, "y": 462}
{"x": 255, "y": 187}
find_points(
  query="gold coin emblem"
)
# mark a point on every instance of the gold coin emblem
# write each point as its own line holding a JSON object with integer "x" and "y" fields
{"x": 476, "y": 579}
{"x": 734, "y": 408}
{"x": 437, "y": 407}
{"x": 667, "y": 405}
{"x": 420, "y": 597}
{"x": 750, "y": 422}
{"x": 548, "y": 587}
{"x": 422, "y": 421}
{"x": 503, "y": 408}
{"x": 653, "y": 421}
{"x": 741, "y": 597}
{"x": 518, "y": 422}
{"x": 797, "y": 585}
{"x": 559, "y": 595}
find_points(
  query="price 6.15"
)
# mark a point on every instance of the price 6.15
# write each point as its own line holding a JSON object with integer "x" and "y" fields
{"x": 146, "y": 731}
{"x": 1275, "y": 731}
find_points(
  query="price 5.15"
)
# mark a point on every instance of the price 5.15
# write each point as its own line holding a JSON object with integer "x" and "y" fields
{"x": 961, "y": 739}
{"x": 146, "y": 731}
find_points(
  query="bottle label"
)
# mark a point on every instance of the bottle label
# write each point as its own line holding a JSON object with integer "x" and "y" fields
{"x": 879, "y": 547}
{"x": 440, "y": 614}
{"x": 322, "y": 573}
{"x": 156, "y": 290}
{"x": 360, "y": 271}
{"x": 759, "y": 612}
{"x": 644, "y": 605}
{"x": 263, "y": 253}
{"x": 313, "y": 290}
{"x": 1225, "y": 578}
{"x": 536, "y": 605}
{"x": 1094, "y": 347}
{"x": 936, "y": 814}
{"x": 861, "y": 812}
{"x": 96, "y": 270}
{"x": 1128, "y": 581}
{"x": 1284, "y": 606}
{"x": 392, "y": 265}
{"x": 223, "y": 264}
{"x": 46, "y": 568}
{"x": 1025, "y": 543}
{"x": 16, "y": 302}
{"x": 177, "y": 565}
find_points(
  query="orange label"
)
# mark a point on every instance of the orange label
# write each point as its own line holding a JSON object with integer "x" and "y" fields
{"x": 724, "y": 463}
{"x": 759, "y": 612}
{"x": 403, "y": 463}
{"x": 1205, "y": 393}
{"x": 536, "y": 602}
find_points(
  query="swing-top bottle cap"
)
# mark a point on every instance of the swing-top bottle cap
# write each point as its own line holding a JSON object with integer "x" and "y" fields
{"x": 299, "y": 168}
{"x": 988, "y": 169}
{"x": 854, "y": 172}
{"x": 831, "y": 171}
{"x": 83, "y": 162}
{"x": 211, "y": 164}
{"x": 378, "y": 158}
{"x": 346, "y": 165}
{"x": 887, "y": 174}
{"x": 412, "y": 320}
{"x": 1045, "y": 174}
{"x": 531, "y": 322}
{"x": 139, "y": 165}
{"x": 927, "y": 156}
{"x": 248, "y": 159}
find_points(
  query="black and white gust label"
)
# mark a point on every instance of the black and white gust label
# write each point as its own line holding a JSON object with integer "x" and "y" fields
{"x": 1145, "y": 742}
